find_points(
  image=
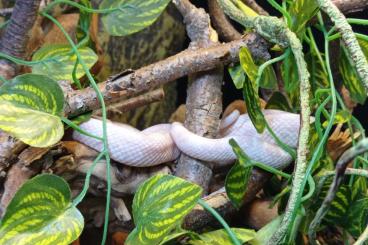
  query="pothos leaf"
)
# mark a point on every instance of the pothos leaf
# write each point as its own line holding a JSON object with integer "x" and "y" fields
{"x": 159, "y": 205}
{"x": 301, "y": 11}
{"x": 250, "y": 90}
{"x": 220, "y": 237}
{"x": 237, "y": 75}
{"x": 238, "y": 176}
{"x": 30, "y": 106}
{"x": 58, "y": 61}
{"x": 279, "y": 102}
{"x": 131, "y": 16}
{"x": 349, "y": 209}
{"x": 41, "y": 213}
{"x": 350, "y": 77}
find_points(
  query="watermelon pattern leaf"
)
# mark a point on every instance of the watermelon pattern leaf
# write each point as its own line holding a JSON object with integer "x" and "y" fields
{"x": 238, "y": 176}
{"x": 30, "y": 109}
{"x": 350, "y": 77}
{"x": 250, "y": 90}
{"x": 58, "y": 61}
{"x": 301, "y": 11}
{"x": 131, "y": 16}
{"x": 41, "y": 212}
{"x": 220, "y": 237}
{"x": 159, "y": 205}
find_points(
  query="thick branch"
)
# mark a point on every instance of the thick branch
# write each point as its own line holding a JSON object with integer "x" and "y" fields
{"x": 15, "y": 38}
{"x": 159, "y": 73}
{"x": 204, "y": 99}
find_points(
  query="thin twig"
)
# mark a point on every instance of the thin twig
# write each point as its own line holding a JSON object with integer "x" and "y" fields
{"x": 223, "y": 26}
{"x": 341, "y": 166}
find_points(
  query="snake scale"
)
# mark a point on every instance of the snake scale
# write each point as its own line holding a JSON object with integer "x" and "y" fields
{"x": 164, "y": 142}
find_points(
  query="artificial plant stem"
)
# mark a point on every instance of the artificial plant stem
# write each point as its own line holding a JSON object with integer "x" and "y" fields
{"x": 271, "y": 169}
{"x": 79, "y": 6}
{"x": 321, "y": 144}
{"x": 83, "y": 193}
{"x": 301, "y": 162}
{"x": 349, "y": 39}
{"x": 281, "y": 10}
{"x": 231, "y": 234}
{"x": 104, "y": 128}
{"x": 75, "y": 127}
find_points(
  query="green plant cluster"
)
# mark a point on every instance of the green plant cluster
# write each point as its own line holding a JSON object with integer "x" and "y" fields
{"x": 161, "y": 203}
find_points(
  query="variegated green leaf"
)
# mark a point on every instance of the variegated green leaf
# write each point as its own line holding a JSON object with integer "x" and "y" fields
{"x": 350, "y": 77}
{"x": 301, "y": 11}
{"x": 131, "y": 16}
{"x": 220, "y": 237}
{"x": 248, "y": 64}
{"x": 30, "y": 106}
{"x": 159, "y": 205}
{"x": 318, "y": 77}
{"x": 349, "y": 209}
{"x": 250, "y": 90}
{"x": 278, "y": 102}
{"x": 58, "y": 61}
{"x": 41, "y": 213}
{"x": 237, "y": 75}
{"x": 238, "y": 176}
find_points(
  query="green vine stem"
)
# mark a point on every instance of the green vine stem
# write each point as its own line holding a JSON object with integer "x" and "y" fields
{"x": 341, "y": 166}
{"x": 275, "y": 31}
{"x": 104, "y": 128}
{"x": 231, "y": 234}
{"x": 349, "y": 39}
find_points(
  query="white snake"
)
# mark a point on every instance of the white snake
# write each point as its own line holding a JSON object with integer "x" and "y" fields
{"x": 164, "y": 142}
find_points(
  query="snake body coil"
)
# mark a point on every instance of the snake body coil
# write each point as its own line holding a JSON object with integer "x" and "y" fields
{"x": 164, "y": 142}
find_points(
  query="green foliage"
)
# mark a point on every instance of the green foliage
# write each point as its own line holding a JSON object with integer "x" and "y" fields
{"x": 132, "y": 15}
{"x": 350, "y": 77}
{"x": 278, "y": 101}
{"x": 250, "y": 90}
{"x": 58, "y": 61}
{"x": 30, "y": 107}
{"x": 238, "y": 176}
{"x": 349, "y": 209}
{"x": 237, "y": 75}
{"x": 301, "y": 11}
{"x": 220, "y": 237}
{"x": 41, "y": 212}
{"x": 159, "y": 205}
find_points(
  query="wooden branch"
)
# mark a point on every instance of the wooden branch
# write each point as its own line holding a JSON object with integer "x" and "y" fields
{"x": 13, "y": 42}
{"x": 204, "y": 99}
{"x": 182, "y": 64}
{"x": 135, "y": 102}
{"x": 351, "y": 6}
{"x": 221, "y": 23}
